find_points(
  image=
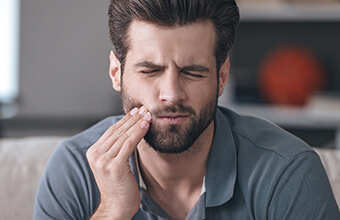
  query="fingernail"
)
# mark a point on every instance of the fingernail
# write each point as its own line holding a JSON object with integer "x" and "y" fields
{"x": 134, "y": 111}
{"x": 142, "y": 110}
{"x": 147, "y": 116}
{"x": 144, "y": 124}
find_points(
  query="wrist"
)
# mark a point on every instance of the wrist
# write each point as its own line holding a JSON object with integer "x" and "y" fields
{"x": 106, "y": 213}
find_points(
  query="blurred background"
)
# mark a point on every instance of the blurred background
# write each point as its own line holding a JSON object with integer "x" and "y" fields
{"x": 54, "y": 67}
{"x": 62, "y": 83}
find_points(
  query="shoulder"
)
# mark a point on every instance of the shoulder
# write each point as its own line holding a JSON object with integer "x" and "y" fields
{"x": 266, "y": 151}
{"x": 68, "y": 187}
{"x": 277, "y": 172}
{"x": 252, "y": 133}
{"x": 70, "y": 156}
{"x": 85, "y": 139}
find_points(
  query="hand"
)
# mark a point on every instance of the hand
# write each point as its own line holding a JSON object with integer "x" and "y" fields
{"x": 109, "y": 161}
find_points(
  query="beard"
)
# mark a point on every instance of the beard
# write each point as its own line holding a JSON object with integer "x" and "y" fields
{"x": 174, "y": 139}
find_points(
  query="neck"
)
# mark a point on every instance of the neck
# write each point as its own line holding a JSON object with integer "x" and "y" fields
{"x": 176, "y": 177}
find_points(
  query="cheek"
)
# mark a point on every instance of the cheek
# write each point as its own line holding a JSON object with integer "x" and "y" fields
{"x": 205, "y": 91}
{"x": 139, "y": 93}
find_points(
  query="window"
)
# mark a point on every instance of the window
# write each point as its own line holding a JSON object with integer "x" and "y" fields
{"x": 9, "y": 50}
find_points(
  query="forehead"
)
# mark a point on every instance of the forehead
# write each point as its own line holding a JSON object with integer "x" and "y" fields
{"x": 187, "y": 43}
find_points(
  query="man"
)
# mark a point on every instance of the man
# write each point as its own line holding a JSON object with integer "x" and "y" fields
{"x": 175, "y": 154}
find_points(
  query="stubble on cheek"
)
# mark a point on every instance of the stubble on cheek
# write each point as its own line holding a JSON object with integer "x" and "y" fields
{"x": 127, "y": 103}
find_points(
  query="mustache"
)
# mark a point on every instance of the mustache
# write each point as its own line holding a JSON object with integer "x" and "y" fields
{"x": 181, "y": 109}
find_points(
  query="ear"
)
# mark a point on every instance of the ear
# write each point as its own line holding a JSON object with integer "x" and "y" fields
{"x": 115, "y": 71}
{"x": 223, "y": 76}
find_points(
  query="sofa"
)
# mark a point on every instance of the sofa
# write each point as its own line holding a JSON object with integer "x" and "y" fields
{"x": 22, "y": 161}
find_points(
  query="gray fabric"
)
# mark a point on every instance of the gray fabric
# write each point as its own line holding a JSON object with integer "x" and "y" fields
{"x": 22, "y": 161}
{"x": 255, "y": 170}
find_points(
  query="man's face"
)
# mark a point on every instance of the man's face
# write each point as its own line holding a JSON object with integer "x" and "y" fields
{"x": 172, "y": 72}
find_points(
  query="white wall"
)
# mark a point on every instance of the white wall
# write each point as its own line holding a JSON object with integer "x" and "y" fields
{"x": 64, "y": 49}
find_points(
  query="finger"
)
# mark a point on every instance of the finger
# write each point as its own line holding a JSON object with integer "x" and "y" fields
{"x": 117, "y": 125}
{"x": 120, "y": 132}
{"x": 119, "y": 143}
{"x": 130, "y": 144}
{"x": 118, "y": 129}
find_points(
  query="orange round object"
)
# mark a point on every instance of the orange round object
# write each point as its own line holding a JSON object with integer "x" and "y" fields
{"x": 290, "y": 75}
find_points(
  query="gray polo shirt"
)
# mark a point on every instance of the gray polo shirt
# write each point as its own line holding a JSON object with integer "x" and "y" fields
{"x": 255, "y": 170}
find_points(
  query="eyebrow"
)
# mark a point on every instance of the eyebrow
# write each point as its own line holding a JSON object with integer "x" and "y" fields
{"x": 148, "y": 64}
{"x": 194, "y": 67}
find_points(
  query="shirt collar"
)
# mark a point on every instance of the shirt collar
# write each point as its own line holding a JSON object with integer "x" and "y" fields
{"x": 141, "y": 182}
{"x": 220, "y": 175}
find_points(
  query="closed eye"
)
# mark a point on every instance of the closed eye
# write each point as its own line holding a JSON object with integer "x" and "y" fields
{"x": 149, "y": 71}
{"x": 193, "y": 74}
{"x": 197, "y": 71}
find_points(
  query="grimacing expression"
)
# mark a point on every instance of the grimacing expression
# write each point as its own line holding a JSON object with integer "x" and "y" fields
{"x": 172, "y": 72}
{"x": 174, "y": 139}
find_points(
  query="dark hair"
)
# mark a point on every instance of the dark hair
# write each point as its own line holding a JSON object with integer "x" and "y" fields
{"x": 167, "y": 13}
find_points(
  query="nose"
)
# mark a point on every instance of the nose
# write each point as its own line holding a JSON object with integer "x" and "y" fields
{"x": 171, "y": 88}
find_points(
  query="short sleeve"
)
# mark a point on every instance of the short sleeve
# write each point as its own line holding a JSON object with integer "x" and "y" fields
{"x": 67, "y": 189}
{"x": 303, "y": 191}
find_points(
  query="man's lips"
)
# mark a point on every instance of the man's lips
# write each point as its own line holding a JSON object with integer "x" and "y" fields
{"x": 172, "y": 119}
